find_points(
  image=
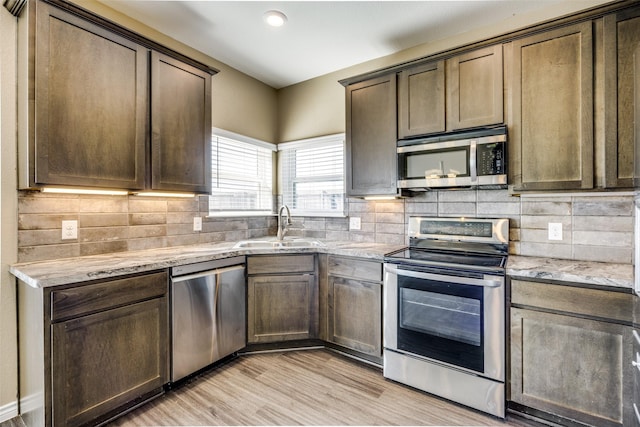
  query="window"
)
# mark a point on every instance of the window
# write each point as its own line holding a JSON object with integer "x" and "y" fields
{"x": 242, "y": 175}
{"x": 312, "y": 176}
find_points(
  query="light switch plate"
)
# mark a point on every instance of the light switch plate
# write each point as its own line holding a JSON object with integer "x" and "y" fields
{"x": 354, "y": 223}
{"x": 197, "y": 223}
{"x": 555, "y": 231}
{"x": 69, "y": 230}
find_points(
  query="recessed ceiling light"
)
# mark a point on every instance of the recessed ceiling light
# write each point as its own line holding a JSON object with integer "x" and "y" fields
{"x": 275, "y": 18}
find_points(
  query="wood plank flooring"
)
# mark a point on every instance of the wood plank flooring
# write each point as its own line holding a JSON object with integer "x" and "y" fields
{"x": 309, "y": 387}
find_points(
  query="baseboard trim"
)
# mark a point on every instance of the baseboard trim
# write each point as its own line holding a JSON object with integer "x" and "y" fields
{"x": 8, "y": 411}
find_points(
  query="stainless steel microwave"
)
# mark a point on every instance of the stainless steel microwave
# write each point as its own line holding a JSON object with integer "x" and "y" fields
{"x": 471, "y": 159}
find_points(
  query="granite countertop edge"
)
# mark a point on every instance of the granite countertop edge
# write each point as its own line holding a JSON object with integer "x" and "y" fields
{"x": 64, "y": 271}
{"x": 589, "y": 273}
{"x": 43, "y": 274}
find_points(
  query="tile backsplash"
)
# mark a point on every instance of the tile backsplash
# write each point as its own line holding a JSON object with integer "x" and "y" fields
{"x": 596, "y": 226}
{"x": 109, "y": 224}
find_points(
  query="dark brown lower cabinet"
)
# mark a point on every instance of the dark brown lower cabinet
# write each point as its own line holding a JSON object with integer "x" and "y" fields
{"x": 104, "y": 360}
{"x": 354, "y": 305}
{"x": 282, "y": 298}
{"x": 355, "y": 315}
{"x": 96, "y": 349}
{"x": 568, "y": 359}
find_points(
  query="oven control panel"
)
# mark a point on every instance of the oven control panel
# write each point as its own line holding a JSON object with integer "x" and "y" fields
{"x": 456, "y": 228}
{"x": 481, "y": 230}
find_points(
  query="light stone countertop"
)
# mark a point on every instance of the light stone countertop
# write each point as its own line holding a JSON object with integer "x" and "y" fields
{"x": 577, "y": 272}
{"x": 64, "y": 271}
{"x": 83, "y": 269}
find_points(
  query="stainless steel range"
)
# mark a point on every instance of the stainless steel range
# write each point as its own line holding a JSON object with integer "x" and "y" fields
{"x": 444, "y": 310}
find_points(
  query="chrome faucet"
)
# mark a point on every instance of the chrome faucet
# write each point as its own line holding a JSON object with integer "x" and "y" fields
{"x": 282, "y": 228}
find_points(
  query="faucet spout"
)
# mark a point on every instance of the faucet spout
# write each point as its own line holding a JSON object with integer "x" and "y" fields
{"x": 282, "y": 227}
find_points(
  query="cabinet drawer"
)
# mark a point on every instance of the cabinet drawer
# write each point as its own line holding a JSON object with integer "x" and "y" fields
{"x": 280, "y": 264}
{"x": 572, "y": 299}
{"x": 355, "y": 268}
{"x": 72, "y": 302}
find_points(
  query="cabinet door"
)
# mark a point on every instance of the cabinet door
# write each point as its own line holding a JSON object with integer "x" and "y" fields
{"x": 371, "y": 137}
{"x": 281, "y": 308}
{"x": 552, "y": 131}
{"x": 91, "y": 101}
{"x": 572, "y": 367}
{"x": 108, "y": 359}
{"x": 181, "y": 122}
{"x": 621, "y": 52}
{"x": 421, "y": 100}
{"x": 355, "y": 314}
{"x": 475, "y": 89}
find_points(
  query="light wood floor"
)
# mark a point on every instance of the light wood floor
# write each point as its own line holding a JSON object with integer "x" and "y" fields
{"x": 310, "y": 387}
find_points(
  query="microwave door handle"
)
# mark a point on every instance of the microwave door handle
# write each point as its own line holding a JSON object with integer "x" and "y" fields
{"x": 444, "y": 278}
{"x": 472, "y": 161}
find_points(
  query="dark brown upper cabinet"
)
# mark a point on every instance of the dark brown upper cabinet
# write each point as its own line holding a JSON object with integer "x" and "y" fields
{"x": 90, "y": 101}
{"x": 107, "y": 110}
{"x": 622, "y": 88}
{"x": 551, "y": 134}
{"x": 181, "y": 121}
{"x": 371, "y": 137}
{"x": 464, "y": 91}
{"x": 475, "y": 89}
{"x": 421, "y": 100}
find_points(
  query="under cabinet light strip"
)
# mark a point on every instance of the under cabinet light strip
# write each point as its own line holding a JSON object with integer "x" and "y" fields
{"x": 381, "y": 197}
{"x": 84, "y": 191}
{"x": 159, "y": 194}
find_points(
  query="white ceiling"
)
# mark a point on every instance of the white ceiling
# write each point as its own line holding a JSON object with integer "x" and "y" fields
{"x": 320, "y": 36}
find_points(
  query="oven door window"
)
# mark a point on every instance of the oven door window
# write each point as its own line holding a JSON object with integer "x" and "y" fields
{"x": 441, "y": 321}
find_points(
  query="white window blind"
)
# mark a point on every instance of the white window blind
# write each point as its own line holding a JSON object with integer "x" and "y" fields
{"x": 242, "y": 175}
{"x": 312, "y": 176}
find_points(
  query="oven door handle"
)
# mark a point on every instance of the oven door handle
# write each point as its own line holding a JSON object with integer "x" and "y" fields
{"x": 445, "y": 278}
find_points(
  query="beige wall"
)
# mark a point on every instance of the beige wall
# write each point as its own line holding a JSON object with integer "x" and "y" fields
{"x": 8, "y": 215}
{"x": 316, "y": 107}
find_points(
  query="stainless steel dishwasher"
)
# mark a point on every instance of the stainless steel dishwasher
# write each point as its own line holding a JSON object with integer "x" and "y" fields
{"x": 208, "y": 311}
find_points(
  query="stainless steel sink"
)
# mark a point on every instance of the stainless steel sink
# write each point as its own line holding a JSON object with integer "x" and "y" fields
{"x": 275, "y": 244}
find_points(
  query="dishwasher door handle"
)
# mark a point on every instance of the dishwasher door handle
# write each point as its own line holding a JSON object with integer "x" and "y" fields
{"x": 217, "y": 271}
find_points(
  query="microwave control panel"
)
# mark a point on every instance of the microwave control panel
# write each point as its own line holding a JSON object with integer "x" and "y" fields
{"x": 491, "y": 158}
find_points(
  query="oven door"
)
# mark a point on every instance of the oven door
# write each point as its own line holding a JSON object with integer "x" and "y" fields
{"x": 450, "y": 319}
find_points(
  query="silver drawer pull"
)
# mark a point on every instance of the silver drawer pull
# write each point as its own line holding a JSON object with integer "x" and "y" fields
{"x": 635, "y": 408}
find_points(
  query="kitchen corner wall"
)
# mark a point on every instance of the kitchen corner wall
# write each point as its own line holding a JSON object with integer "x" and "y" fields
{"x": 596, "y": 226}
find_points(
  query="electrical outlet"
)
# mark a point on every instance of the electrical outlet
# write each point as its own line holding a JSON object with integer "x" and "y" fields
{"x": 197, "y": 223}
{"x": 555, "y": 231}
{"x": 69, "y": 230}
{"x": 354, "y": 223}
